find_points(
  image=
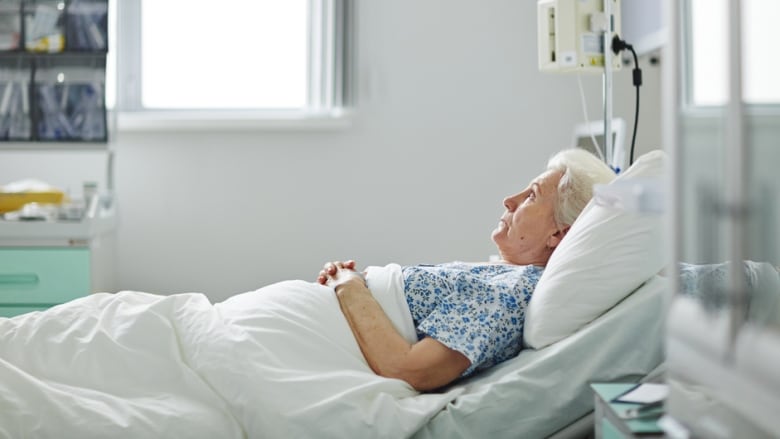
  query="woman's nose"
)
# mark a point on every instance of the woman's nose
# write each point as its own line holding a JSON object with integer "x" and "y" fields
{"x": 510, "y": 203}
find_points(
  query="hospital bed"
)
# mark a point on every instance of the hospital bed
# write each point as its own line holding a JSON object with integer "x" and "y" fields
{"x": 537, "y": 394}
{"x": 282, "y": 361}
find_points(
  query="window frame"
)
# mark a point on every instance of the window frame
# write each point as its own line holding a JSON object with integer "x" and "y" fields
{"x": 330, "y": 75}
{"x": 708, "y": 111}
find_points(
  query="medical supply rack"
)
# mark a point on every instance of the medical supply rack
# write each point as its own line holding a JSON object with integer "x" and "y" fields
{"x": 53, "y": 72}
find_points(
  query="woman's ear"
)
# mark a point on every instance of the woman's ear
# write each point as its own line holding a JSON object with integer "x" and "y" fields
{"x": 556, "y": 237}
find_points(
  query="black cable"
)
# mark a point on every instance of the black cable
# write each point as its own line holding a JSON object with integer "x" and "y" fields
{"x": 637, "y": 73}
{"x": 618, "y": 46}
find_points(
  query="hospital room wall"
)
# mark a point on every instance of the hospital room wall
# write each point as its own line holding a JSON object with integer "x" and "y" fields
{"x": 451, "y": 116}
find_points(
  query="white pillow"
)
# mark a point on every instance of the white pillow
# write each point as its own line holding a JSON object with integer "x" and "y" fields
{"x": 607, "y": 254}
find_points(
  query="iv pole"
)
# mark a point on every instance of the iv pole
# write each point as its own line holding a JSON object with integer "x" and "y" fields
{"x": 607, "y": 85}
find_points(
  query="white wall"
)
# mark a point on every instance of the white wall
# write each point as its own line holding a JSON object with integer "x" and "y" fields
{"x": 452, "y": 116}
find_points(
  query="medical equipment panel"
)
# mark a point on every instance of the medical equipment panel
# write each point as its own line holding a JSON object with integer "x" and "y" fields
{"x": 571, "y": 35}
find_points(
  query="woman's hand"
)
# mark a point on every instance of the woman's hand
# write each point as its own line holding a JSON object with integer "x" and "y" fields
{"x": 334, "y": 274}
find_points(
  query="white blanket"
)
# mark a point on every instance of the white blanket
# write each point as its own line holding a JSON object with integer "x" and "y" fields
{"x": 279, "y": 362}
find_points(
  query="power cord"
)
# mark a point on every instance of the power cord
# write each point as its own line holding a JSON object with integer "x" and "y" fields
{"x": 618, "y": 46}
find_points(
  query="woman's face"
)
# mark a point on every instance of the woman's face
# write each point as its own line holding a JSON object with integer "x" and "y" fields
{"x": 527, "y": 233}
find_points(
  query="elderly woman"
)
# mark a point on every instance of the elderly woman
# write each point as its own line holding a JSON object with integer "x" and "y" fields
{"x": 470, "y": 316}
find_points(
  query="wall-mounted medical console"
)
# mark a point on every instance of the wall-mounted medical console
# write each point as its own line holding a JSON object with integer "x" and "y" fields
{"x": 571, "y": 34}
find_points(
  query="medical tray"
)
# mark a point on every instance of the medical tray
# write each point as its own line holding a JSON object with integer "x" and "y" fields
{"x": 10, "y": 201}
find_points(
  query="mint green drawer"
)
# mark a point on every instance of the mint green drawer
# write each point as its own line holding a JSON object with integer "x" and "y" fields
{"x": 43, "y": 276}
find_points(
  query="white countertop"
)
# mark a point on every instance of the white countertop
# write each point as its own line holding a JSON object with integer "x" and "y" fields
{"x": 71, "y": 233}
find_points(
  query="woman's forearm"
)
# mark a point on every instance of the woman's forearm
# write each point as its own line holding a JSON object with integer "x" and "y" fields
{"x": 425, "y": 365}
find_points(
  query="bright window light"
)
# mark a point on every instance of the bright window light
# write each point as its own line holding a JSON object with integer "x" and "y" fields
{"x": 248, "y": 60}
{"x": 709, "y": 52}
{"x": 232, "y": 54}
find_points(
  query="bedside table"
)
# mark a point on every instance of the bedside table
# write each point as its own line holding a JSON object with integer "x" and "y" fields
{"x": 609, "y": 422}
{"x": 43, "y": 264}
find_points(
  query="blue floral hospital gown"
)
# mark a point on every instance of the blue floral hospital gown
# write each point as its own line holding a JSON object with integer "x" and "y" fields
{"x": 478, "y": 310}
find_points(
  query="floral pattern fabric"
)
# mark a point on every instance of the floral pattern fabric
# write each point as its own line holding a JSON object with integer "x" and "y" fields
{"x": 476, "y": 309}
{"x": 711, "y": 285}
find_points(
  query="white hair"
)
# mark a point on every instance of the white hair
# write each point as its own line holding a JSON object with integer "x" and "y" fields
{"x": 581, "y": 170}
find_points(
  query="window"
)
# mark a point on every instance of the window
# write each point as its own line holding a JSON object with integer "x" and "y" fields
{"x": 709, "y": 52}
{"x": 253, "y": 58}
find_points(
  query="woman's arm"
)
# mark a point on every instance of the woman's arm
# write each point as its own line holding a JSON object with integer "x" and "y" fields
{"x": 425, "y": 365}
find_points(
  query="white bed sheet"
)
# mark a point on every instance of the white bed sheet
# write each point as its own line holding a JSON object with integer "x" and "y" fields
{"x": 282, "y": 362}
{"x": 279, "y": 362}
{"x": 542, "y": 391}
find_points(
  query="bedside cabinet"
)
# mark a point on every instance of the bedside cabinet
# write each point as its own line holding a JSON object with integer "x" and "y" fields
{"x": 609, "y": 416}
{"x": 37, "y": 278}
{"x": 46, "y": 264}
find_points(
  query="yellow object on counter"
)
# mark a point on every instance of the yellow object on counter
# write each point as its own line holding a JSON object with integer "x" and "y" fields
{"x": 10, "y": 201}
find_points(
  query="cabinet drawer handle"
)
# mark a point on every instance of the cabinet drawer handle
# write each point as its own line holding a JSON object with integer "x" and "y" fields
{"x": 19, "y": 279}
